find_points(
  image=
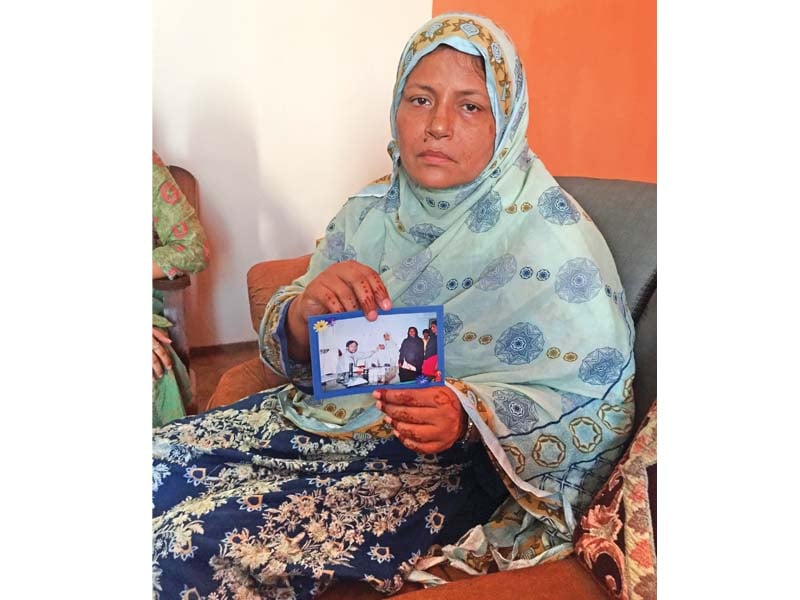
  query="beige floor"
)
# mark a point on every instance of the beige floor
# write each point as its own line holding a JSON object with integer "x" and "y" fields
{"x": 209, "y": 363}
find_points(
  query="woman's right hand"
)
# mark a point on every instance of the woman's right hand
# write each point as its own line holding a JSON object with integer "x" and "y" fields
{"x": 161, "y": 359}
{"x": 342, "y": 287}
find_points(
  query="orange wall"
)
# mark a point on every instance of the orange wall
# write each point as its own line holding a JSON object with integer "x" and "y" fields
{"x": 591, "y": 69}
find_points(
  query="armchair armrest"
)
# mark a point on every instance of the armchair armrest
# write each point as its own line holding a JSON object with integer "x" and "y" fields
{"x": 264, "y": 278}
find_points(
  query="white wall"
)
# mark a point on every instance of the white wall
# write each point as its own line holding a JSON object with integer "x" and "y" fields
{"x": 281, "y": 111}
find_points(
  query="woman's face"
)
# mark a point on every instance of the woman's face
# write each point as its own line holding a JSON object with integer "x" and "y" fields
{"x": 412, "y": 332}
{"x": 445, "y": 126}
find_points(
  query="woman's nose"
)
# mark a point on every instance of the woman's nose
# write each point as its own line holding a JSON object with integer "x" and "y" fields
{"x": 441, "y": 123}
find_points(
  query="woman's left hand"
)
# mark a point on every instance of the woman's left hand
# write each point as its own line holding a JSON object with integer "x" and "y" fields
{"x": 426, "y": 420}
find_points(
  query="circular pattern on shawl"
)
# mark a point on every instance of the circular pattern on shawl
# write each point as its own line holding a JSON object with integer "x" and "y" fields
{"x": 424, "y": 289}
{"x": 570, "y": 356}
{"x": 515, "y": 410}
{"x": 542, "y": 274}
{"x": 431, "y": 202}
{"x": 452, "y": 327}
{"x": 411, "y": 266}
{"x": 485, "y": 213}
{"x": 425, "y": 233}
{"x": 335, "y": 248}
{"x": 549, "y": 451}
{"x": 511, "y": 209}
{"x": 497, "y": 273}
{"x": 556, "y": 208}
{"x": 601, "y": 366}
{"x": 578, "y": 280}
{"x": 586, "y": 434}
{"x": 526, "y": 206}
{"x": 485, "y": 339}
{"x": 519, "y": 344}
{"x": 516, "y": 456}
{"x": 469, "y": 336}
{"x": 443, "y": 205}
{"x": 608, "y": 291}
{"x": 526, "y": 272}
{"x": 553, "y": 352}
{"x": 617, "y": 418}
{"x": 452, "y": 284}
{"x": 331, "y": 226}
{"x": 467, "y": 283}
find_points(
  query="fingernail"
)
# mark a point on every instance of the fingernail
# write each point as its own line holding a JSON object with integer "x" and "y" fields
{"x": 379, "y": 405}
{"x": 372, "y": 315}
{"x": 388, "y": 420}
{"x": 385, "y": 304}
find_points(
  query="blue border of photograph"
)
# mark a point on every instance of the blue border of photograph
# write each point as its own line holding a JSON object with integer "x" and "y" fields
{"x": 316, "y": 374}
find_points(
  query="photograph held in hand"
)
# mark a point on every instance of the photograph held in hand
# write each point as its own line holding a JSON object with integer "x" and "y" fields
{"x": 400, "y": 349}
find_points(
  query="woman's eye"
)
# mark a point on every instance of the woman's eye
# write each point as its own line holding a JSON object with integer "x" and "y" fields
{"x": 471, "y": 107}
{"x": 419, "y": 101}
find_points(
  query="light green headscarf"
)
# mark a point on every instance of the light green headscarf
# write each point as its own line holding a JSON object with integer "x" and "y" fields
{"x": 538, "y": 335}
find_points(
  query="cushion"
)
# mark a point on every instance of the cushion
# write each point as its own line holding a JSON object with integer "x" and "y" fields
{"x": 616, "y": 538}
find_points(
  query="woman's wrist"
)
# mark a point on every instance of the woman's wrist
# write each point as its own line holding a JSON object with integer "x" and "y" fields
{"x": 296, "y": 333}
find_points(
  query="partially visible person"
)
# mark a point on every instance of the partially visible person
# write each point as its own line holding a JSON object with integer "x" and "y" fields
{"x": 409, "y": 361}
{"x": 430, "y": 360}
{"x": 179, "y": 246}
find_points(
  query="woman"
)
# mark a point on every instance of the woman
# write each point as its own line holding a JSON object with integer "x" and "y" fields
{"x": 280, "y": 492}
{"x": 411, "y": 355}
{"x": 179, "y": 245}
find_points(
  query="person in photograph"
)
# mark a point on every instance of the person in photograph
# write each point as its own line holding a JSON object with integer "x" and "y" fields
{"x": 430, "y": 362}
{"x": 434, "y": 339}
{"x": 282, "y": 494}
{"x": 351, "y": 359}
{"x": 387, "y": 353}
{"x": 409, "y": 360}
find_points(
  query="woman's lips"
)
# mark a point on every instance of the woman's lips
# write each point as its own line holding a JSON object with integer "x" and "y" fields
{"x": 434, "y": 158}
